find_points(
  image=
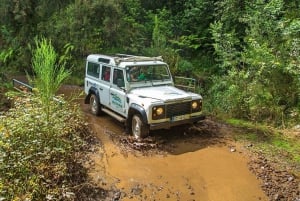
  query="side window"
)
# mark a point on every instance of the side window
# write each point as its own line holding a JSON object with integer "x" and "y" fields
{"x": 105, "y": 73}
{"x": 93, "y": 69}
{"x": 118, "y": 78}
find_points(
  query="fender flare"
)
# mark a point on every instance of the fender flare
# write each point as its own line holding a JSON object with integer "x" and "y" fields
{"x": 92, "y": 90}
{"x": 135, "y": 107}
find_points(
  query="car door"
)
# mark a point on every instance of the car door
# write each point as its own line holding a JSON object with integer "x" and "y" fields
{"x": 117, "y": 92}
{"x": 105, "y": 84}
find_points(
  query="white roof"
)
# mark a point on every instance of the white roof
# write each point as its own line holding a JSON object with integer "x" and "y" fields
{"x": 123, "y": 60}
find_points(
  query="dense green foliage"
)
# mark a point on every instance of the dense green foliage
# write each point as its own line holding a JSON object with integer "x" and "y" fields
{"x": 4, "y": 86}
{"x": 245, "y": 54}
{"x": 261, "y": 65}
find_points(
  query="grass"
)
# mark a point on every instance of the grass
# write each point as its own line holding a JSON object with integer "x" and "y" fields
{"x": 289, "y": 147}
{"x": 279, "y": 145}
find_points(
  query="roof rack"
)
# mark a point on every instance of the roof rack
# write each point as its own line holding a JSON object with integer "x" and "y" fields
{"x": 133, "y": 58}
{"x": 124, "y": 55}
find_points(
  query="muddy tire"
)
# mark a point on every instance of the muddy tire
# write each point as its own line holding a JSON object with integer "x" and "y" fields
{"x": 95, "y": 106}
{"x": 138, "y": 127}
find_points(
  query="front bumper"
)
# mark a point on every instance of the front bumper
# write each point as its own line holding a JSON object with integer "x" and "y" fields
{"x": 169, "y": 124}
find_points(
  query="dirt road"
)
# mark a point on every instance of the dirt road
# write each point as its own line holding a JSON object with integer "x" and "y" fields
{"x": 199, "y": 163}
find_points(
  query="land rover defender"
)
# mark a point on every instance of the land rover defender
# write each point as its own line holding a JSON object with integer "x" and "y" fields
{"x": 138, "y": 91}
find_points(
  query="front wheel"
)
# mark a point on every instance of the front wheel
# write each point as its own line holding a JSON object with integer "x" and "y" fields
{"x": 139, "y": 128}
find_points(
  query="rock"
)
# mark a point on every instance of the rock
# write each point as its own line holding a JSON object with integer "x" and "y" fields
{"x": 136, "y": 190}
{"x": 160, "y": 188}
{"x": 69, "y": 195}
{"x": 249, "y": 145}
{"x": 290, "y": 178}
{"x": 117, "y": 196}
{"x": 278, "y": 196}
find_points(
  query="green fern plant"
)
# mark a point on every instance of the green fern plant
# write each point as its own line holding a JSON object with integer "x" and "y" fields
{"x": 49, "y": 75}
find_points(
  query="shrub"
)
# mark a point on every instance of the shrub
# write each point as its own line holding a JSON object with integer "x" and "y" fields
{"x": 35, "y": 165}
{"x": 4, "y": 86}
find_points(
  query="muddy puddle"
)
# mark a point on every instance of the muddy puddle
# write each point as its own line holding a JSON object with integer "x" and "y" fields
{"x": 178, "y": 164}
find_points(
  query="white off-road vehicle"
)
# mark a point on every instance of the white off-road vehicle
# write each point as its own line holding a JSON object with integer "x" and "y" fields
{"x": 138, "y": 91}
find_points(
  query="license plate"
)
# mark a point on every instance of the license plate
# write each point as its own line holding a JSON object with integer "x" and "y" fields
{"x": 177, "y": 118}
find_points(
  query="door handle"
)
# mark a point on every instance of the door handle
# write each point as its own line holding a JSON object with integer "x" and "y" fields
{"x": 101, "y": 89}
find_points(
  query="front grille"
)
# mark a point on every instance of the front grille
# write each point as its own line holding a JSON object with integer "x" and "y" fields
{"x": 177, "y": 109}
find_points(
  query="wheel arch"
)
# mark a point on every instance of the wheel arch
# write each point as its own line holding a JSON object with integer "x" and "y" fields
{"x": 92, "y": 90}
{"x": 136, "y": 109}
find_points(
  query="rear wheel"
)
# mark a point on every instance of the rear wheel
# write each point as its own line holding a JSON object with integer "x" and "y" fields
{"x": 95, "y": 105}
{"x": 139, "y": 128}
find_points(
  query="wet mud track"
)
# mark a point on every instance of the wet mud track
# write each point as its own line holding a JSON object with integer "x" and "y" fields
{"x": 184, "y": 163}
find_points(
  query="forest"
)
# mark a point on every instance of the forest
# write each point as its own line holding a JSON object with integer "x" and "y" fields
{"x": 244, "y": 54}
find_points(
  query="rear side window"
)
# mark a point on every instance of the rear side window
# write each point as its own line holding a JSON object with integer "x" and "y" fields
{"x": 93, "y": 69}
{"x": 106, "y": 73}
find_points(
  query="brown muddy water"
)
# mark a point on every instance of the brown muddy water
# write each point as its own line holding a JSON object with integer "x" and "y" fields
{"x": 179, "y": 165}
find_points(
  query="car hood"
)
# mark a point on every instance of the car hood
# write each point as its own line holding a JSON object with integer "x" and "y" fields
{"x": 164, "y": 93}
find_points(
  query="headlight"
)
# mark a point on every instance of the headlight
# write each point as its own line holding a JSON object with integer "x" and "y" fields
{"x": 158, "y": 112}
{"x": 196, "y": 105}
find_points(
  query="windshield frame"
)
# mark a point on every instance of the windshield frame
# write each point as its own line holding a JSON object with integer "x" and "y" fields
{"x": 148, "y": 73}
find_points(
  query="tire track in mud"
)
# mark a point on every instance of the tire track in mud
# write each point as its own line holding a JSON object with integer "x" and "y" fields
{"x": 194, "y": 163}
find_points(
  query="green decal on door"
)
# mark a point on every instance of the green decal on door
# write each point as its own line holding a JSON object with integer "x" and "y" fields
{"x": 116, "y": 101}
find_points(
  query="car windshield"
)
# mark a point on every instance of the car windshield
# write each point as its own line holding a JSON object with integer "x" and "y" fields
{"x": 147, "y": 73}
